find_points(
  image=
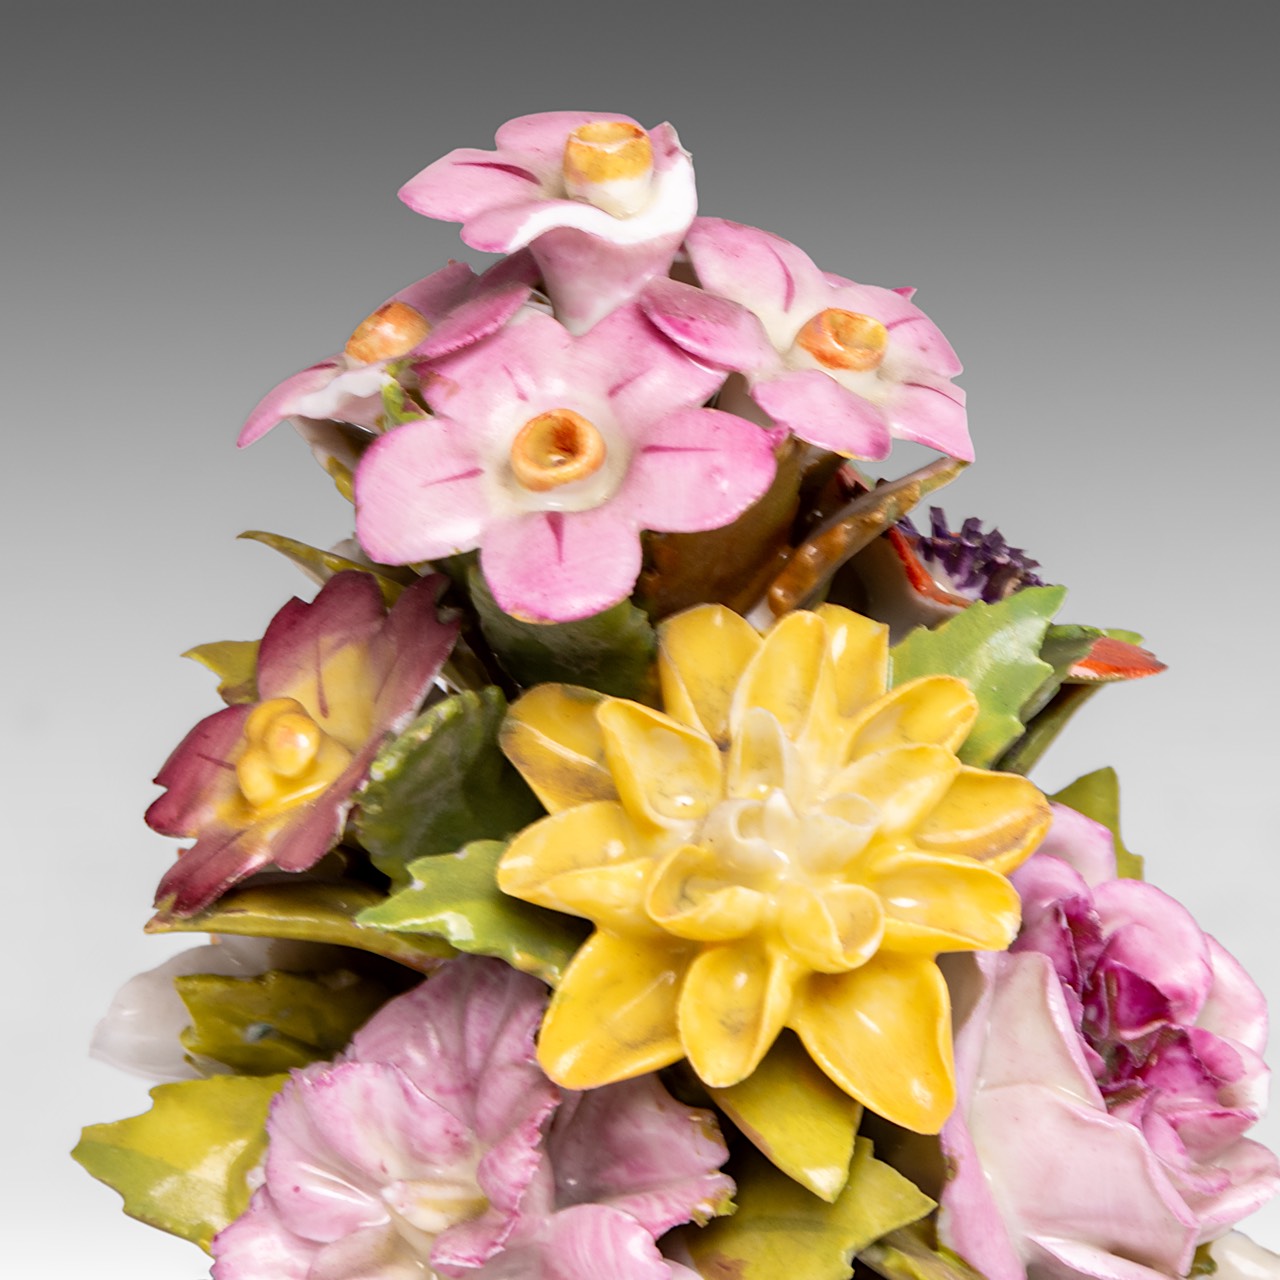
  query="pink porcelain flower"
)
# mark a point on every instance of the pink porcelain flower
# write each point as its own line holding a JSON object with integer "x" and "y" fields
{"x": 550, "y": 453}
{"x": 437, "y": 1147}
{"x": 844, "y": 366}
{"x": 270, "y": 783}
{"x": 1110, "y": 1065}
{"x": 601, "y": 202}
{"x": 442, "y": 313}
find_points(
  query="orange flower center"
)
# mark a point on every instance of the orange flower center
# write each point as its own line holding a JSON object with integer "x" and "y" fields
{"x": 844, "y": 340}
{"x": 556, "y": 448}
{"x": 605, "y": 151}
{"x": 393, "y": 330}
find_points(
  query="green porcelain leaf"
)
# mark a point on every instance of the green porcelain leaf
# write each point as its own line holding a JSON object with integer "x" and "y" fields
{"x": 613, "y": 652}
{"x": 796, "y": 1116}
{"x": 1097, "y": 796}
{"x": 996, "y": 649}
{"x": 182, "y": 1165}
{"x": 1064, "y": 645}
{"x": 322, "y": 565}
{"x": 456, "y": 896}
{"x": 235, "y": 663}
{"x": 276, "y": 1021}
{"x": 907, "y": 1255}
{"x": 309, "y": 912}
{"x": 441, "y": 784}
{"x": 780, "y": 1229}
{"x": 1044, "y": 729}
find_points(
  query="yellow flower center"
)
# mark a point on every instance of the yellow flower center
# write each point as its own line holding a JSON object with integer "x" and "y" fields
{"x": 844, "y": 340}
{"x": 609, "y": 163}
{"x": 393, "y": 330}
{"x": 556, "y": 448}
{"x": 287, "y": 756}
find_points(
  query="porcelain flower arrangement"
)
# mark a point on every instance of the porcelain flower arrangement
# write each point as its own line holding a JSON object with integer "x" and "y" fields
{"x": 627, "y": 863}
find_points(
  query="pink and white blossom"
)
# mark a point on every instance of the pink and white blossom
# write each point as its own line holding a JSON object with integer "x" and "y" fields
{"x": 437, "y": 1147}
{"x": 601, "y": 203}
{"x": 551, "y": 452}
{"x": 844, "y": 366}
{"x": 442, "y": 313}
{"x": 1109, "y": 1067}
{"x": 270, "y": 783}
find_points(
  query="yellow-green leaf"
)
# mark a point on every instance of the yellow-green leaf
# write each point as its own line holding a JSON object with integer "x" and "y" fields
{"x": 613, "y": 652}
{"x": 275, "y": 1021}
{"x": 796, "y": 1116}
{"x": 322, "y": 565}
{"x": 235, "y": 663}
{"x": 182, "y": 1166}
{"x": 456, "y": 896}
{"x": 1097, "y": 796}
{"x": 780, "y": 1229}
{"x": 442, "y": 783}
{"x": 309, "y": 912}
{"x": 908, "y": 1255}
{"x": 995, "y": 648}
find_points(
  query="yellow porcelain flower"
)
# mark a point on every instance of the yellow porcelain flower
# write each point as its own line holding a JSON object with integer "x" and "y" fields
{"x": 788, "y": 846}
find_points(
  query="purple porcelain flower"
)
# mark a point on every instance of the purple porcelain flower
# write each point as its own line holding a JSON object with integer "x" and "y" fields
{"x": 270, "y": 783}
{"x": 437, "y": 1147}
{"x": 448, "y": 310}
{"x": 844, "y": 366}
{"x": 602, "y": 203}
{"x": 550, "y": 453}
{"x": 1109, "y": 1067}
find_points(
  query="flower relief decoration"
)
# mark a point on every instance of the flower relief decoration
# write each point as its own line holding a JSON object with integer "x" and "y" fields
{"x": 628, "y": 863}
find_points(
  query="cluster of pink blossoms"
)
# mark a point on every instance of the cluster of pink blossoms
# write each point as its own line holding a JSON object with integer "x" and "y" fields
{"x": 558, "y": 426}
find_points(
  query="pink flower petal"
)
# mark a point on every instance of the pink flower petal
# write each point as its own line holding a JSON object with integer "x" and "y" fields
{"x": 697, "y": 469}
{"x": 1235, "y": 1006}
{"x": 437, "y": 294}
{"x": 466, "y": 181}
{"x": 281, "y": 401}
{"x": 475, "y": 319}
{"x": 1081, "y": 843}
{"x": 708, "y": 327}
{"x": 341, "y": 1134}
{"x": 301, "y": 636}
{"x": 634, "y": 1147}
{"x": 643, "y": 374}
{"x": 756, "y": 268}
{"x": 934, "y": 416}
{"x": 420, "y": 493}
{"x": 258, "y": 1244}
{"x": 814, "y": 407}
{"x": 1153, "y": 935}
{"x": 587, "y": 1242}
{"x": 556, "y": 566}
{"x": 199, "y": 774}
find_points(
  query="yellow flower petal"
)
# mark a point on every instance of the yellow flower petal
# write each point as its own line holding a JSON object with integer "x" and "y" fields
{"x": 665, "y": 772}
{"x": 589, "y": 861}
{"x": 761, "y": 758}
{"x": 939, "y": 710}
{"x": 734, "y": 1001}
{"x": 937, "y": 904}
{"x": 831, "y": 931}
{"x": 784, "y": 676}
{"x": 702, "y": 654}
{"x": 997, "y": 818}
{"x": 614, "y": 1014}
{"x": 552, "y": 737}
{"x": 687, "y": 897}
{"x": 340, "y": 695}
{"x": 905, "y": 784}
{"x": 859, "y": 650}
{"x": 883, "y": 1034}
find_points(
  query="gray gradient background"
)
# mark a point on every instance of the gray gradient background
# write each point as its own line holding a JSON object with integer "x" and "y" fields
{"x": 199, "y": 199}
